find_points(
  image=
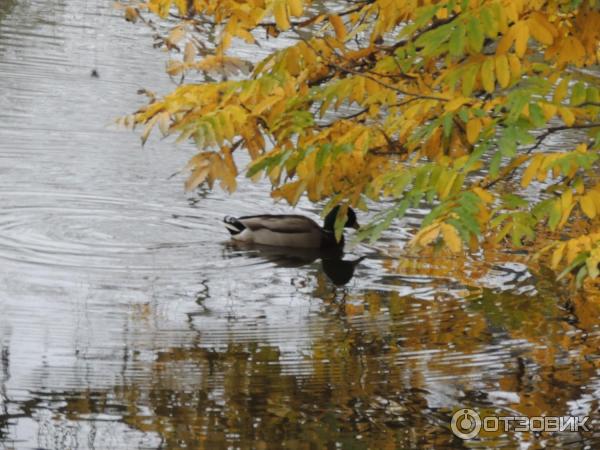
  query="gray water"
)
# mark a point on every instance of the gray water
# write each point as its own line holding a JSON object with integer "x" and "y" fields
{"x": 127, "y": 319}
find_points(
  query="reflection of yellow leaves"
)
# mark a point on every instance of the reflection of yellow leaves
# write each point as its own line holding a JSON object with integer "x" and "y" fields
{"x": 189, "y": 53}
{"x": 174, "y": 67}
{"x": 557, "y": 255}
{"x": 176, "y": 35}
{"x": 354, "y": 310}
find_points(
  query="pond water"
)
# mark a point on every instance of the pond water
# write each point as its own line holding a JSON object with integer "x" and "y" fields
{"x": 127, "y": 319}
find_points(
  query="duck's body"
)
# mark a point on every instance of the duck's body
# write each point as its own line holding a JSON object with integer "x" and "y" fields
{"x": 287, "y": 230}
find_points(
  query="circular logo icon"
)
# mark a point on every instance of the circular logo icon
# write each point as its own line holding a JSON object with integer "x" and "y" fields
{"x": 466, "y": 423}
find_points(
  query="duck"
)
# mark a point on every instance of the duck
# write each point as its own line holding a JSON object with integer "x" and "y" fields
{"x": 289, "y": 230}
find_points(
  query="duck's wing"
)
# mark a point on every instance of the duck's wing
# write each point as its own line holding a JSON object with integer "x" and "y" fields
{"x": 284, "y": 223}
{"x": 280, "y": 230}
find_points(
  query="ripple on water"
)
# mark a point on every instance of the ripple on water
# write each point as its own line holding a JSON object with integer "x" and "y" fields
{"x": 87, "y": 232}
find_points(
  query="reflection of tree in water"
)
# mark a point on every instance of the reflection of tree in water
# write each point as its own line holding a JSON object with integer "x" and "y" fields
{"x": 5, "y": 7}
{"x": 379, "y": 370}
{"x": 371, "y": 381}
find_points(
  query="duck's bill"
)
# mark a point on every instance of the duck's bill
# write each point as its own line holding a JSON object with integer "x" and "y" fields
{"x": 356, "y": 226}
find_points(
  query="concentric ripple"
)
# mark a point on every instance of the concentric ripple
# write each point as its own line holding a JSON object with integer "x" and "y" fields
{"x": 95, "y": 232}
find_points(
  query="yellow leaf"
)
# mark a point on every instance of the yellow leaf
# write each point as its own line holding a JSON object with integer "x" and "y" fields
{"x": 473, "y": 130}
{"x": 245, "y": 35}
{"x": 131, "y": 14}
{"x": 595, "y": 196}
{"x": 182, "y": 6}
{"x": 502, "y": 70}
{"x": 451, "y": 238}
{"x": 427, "y": 235}
{"x": 148, "y": 128}
{"x": 265, "y": 104}
{"x": 362, "y": 141}
{"x": 483, "y": 194}
{"x": 296, "y": 7}
{"x": 163, "y": 122}
{"x": 539, "y": 32}
{"x": 515, "y": 66}
{"x": 566, "y": 199}
{"x": 531, "y": 170}
{"x": 291, "y": 191}
{"x": 557, "y": 255}
{"x": 548, "y": 109}
{"x": 453, "y": 105}
{"x": 561, "y": 91}
{"x": 521, "y": 38}
{"x": 588, "y": 206}
{"x": 281, "y": 15}
{"x": 487, "y": 75}
{"x": 567, "y": 116}
{"x": 338, "y": 26}
{"x": 506, "y": 42}
{"x": 197, "y": 177}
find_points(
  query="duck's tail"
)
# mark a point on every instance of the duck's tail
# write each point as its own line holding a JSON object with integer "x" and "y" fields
{"x": 233, "y": 225}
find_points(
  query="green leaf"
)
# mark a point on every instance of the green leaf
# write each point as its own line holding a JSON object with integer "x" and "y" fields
{"x": 579, "y": 94}
{"x": 322, "y": 156}
{"x": 468, "y": 80}
{"x": 488, "y": 20}
{"x": 475, "y": 35}
{"x": 508, "y": 142}
{"x": 513, "y": 201}
{"x": 476, "y": 155}
{"x": 447, "y": 121}
{"x": 457, "y": 40}
{"x": 495, "y": 164}
{"x": 536, "y": 114}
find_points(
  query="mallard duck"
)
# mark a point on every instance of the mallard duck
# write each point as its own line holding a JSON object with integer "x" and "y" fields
{"x": 289, "y": 230}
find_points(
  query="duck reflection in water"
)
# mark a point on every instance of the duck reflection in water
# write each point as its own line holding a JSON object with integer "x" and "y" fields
{"x": 339, "y": 271}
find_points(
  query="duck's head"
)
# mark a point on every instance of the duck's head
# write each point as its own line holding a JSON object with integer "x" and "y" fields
{"x": 351, "y": 221}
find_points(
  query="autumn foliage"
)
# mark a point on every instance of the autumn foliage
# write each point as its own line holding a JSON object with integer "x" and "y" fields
{"x": 450, "y": 104}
